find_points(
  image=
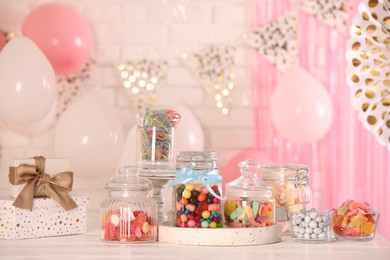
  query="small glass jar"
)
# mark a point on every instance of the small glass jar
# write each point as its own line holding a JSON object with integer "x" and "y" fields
{"x": 249, "y": 202}
{"x": 129, "y": 214}
{"x": 197, "y": 190}
{"x": 290, "y": 188}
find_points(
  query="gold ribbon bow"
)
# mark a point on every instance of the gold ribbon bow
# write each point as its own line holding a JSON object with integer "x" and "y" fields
{"x": 55, "y": 187}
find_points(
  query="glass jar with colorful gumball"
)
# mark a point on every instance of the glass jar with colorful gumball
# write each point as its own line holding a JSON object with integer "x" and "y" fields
{"x": 129, "y": 214}
{"x": 354, "y": 220}
{"x": 197, "y": 190}
{"x": 248, "y": 200}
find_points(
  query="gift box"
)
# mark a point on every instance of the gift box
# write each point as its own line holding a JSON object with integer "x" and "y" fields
{"x": 52, "y": 166}
{"x": 47, "y": 218}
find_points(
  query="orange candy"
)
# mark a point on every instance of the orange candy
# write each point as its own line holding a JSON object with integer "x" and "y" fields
{"x": 201, "y": 197}
{"x": 183, "y": 201}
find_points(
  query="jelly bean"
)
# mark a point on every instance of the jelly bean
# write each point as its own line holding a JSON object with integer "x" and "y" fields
{"x": 201, "y": 197}
{"x": 183, "y": 218}
{"x": 191, "y": 223}
{"x": 182, "y": 186}
{"x": 203, "y": 206}
{"x": 195, "y": 193}
{"x": 189, "y": 216}
{"x": 205, "y": 214}
{"x": 213, "y": 207}
{"x": 193, "y": 200}
{"x": 183, "y": 201}
{"x": 205, "y": 190}
{"x": 186, "y": 194}
{"x": 183, "y": 224}
{"x": 213, "y": 225}
{"x": 186, "y": 211}
{"x": 216, "y": 214}
{"x": 216, "y": 200}
{"x": 209, "y": 200}
{"x": 205, "y": 224}
{"x": 190, "y": 207}
{"x": 219, "y": 224}
{"x": 189, "y": 187}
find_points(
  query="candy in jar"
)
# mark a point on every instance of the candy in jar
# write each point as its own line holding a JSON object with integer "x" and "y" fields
{"x": 290, "y": 188}
{"x": 248, "y": 202}
{"x": 310, "y": 225}
{"x": 197, "y": 190}
{"x": 129, "y": 214}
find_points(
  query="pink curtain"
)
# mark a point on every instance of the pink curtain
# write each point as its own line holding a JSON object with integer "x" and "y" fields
{"x": 348, "y": 163}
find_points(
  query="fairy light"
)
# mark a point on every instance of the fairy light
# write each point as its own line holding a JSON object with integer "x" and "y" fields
{"x": 141, "y": 79}
{"x": 214, "y": 68}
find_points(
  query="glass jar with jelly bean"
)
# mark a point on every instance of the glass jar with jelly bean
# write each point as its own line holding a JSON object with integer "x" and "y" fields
{"x": 248, "y": 200}
{"x": 129, "y": 214}
{"x": 197, "y": 190}
{"x": 290, "y": 188}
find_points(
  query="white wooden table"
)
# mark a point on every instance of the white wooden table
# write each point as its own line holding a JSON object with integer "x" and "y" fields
{"x": 89, "y": 246}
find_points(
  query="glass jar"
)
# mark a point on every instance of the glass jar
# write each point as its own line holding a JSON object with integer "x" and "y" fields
{"x": 129, "y": 214}
{"x": 290, "y": 188}
{"x": 197, "y": 190}
{"x": 248, "y": 201}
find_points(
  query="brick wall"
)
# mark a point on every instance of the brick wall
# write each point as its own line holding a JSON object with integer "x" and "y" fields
{"x": 134, "y": 29}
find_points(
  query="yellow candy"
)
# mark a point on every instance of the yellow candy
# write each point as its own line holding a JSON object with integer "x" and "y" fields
{"x": 345, "y": 222}
{"x": 206, "y": 214}
{"x": 213, "y": 225}
{"x": 229, "y": 207}
{"x": 358, "y": 220}
{"x": 189, "y": 187}
{"x": 186, "y": 194}
{"x": 248, "y": 211}
{"x": 367, "y": 228}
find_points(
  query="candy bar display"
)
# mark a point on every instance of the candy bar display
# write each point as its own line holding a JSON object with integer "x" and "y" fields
{"x": 290, "y": 188}
{"x": 197, "y": 190}
{"x": 249, "y": 202}
{"x": 310, "y": 225}
{"x": 156, "y": 138}
{"x": 129, "y": 214}
{"x": 354, "y": 220}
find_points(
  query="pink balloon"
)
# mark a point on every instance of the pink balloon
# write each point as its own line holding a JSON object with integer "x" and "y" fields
{"x": 301, "y": 108}
{"x": 231, "y": 172}
{"x": 3, "y": 40}
{"x": 62, "y": 34}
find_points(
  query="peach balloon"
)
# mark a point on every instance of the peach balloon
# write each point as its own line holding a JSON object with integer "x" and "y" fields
{"x": 62, "y": 34}
{"x": 301, "y": 108}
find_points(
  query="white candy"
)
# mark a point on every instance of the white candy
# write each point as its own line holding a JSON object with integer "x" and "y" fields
{"x": 301, "y": 215}
{"x": 313, "y": 224}
{"x": 300, "y": 235}
{"x": 307, "y": 219}
{"x": 318, "y": 219}
{"x": 309, "y": 230}
{"x": 314, "y": 236}
{"x": 301, "y": 230}
{"x": 322, "y": 235}
{"x": 296, "y": 229}
{"x": 323, "y": 225}
{"x": 297, "y": 220}
{"x": 318, "y": 230}
{"x": 303, "y": 224}
{"x": 313, "y": 215}
{"x": 307, "y": 236}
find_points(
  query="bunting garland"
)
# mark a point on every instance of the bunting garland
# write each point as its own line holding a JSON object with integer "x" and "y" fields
{"x": 142, "y": 80}
{"x": 214, "y": 68}
{"x": 277, "y": 42}
{"x": 332, "y": 13}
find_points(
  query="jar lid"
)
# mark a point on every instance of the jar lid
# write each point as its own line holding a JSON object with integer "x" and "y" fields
{"x": 248, "y": 185}
{"x": 129, "y": 179}
{"x": 289, "y": 172}
{"x": 196, "y": 156}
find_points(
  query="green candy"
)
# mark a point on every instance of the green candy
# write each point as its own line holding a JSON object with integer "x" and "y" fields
{"x": 255, "y": 209}
{"x": 237, "y": 212}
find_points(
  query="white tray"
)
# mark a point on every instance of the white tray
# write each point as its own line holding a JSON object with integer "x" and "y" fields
{"x": 220, "y": 236}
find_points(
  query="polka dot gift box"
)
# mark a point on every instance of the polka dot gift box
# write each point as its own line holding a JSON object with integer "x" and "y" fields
{"x": 47, "y": 218}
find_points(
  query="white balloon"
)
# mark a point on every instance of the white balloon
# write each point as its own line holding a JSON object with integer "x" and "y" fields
{"x": 37, "y": 127}
{"x": 90, "y": 134}
{"x": 28, "y": 90}
{"x": 189, "y": 132}
{"x": 128, "y": 156}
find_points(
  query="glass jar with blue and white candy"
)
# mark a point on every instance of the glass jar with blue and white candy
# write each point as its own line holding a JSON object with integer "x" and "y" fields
{"x": 197, "y": 190}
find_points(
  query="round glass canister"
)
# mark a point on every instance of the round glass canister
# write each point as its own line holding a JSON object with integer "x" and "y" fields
{"x": 197, "y": 190}
{"x": 129, "y": 214}
{"x": 248, "y": 201}
{"x": 290, "y": 188}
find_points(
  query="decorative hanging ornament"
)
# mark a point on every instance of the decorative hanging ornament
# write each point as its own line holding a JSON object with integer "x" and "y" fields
{"x": 332, "y": 13}
{"x": 142, "y": 80}
{"x": 214, "y": 68}
{"x": 69, "y": 86}
{"x": 277, "y": 42}
{"x": 368, "y": 67}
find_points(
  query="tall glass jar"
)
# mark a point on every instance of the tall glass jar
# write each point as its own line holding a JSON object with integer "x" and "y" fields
{"x": 197, "y": 190}
{"x": 290, "y": 188}
{"x": 129, "y": 214}
{"x": 248, "y": 201}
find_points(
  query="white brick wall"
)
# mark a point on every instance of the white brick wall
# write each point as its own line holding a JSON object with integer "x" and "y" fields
{"x": 134, "y": 29}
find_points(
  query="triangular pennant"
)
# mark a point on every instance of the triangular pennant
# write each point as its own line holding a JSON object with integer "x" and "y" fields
{"x": 332, "y": 13}
{"x": 141, "y": 80}
{"x": 277, "y": 42}
{"x": 214, "y": 68}
{"x": 69, "y": 86}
